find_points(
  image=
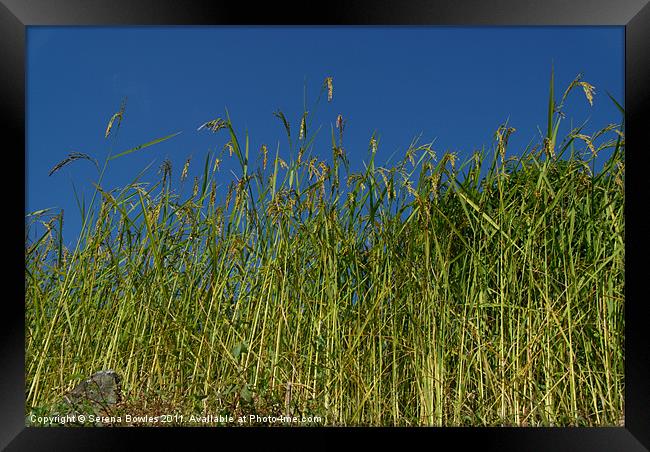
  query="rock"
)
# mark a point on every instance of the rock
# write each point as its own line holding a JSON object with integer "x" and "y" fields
{"x": 98, "y": 393}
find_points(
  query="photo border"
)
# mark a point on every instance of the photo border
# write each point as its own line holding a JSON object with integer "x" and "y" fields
{"x": 634, "y": 15}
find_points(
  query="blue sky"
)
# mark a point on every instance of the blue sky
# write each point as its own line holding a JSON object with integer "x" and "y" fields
{"x": 454, "y": 85}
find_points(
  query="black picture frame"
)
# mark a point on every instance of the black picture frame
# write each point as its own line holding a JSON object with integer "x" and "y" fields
{"x": 634, "y": 15}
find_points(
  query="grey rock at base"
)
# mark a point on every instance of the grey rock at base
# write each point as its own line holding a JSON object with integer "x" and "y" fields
{"x": 102, "y": 390}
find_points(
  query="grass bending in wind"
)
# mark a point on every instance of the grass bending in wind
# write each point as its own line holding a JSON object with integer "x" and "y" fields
{"x": 421, "y": 294}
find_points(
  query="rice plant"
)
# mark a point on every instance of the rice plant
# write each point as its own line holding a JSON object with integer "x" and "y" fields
{"x": 429, "y": 293}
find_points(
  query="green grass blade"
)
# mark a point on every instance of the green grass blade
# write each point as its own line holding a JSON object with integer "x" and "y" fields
{"x": 145, "y": 145}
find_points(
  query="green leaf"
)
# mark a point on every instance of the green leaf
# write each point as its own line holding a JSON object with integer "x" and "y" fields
{"x": 60, "y": 239}
{"x": 279, "y": 114}
{"x": 246, "y": 394}
{"x": 204, "y": 186}
{"x": 551, "y": 108}
{"x": 238, "y": 349}
{"x": 142, "y": 146}
{"x": 39, "y": 212}
{"x": 620, "y": 108}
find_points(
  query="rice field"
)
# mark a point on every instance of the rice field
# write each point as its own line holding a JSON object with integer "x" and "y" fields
{"x": 433, "y": 292}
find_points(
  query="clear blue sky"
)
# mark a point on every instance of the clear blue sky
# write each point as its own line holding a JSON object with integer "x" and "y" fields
{"x": 454, "y": 85}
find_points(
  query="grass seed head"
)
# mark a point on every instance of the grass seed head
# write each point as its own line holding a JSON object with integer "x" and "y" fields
{"x": 619, "y": 178}
{"x": 330, "y": 88}
{"x": 588, "y": 141}
{"x": 303, "y": 126}
{"x": 231, "y": 187}
{"x": 340, "y": 123}
{"x": 110, "y": 125}
{"x": 589, "y": 92}
{"x": 265, "y": 152}
{"x": 452, "y": 156}
{"x": 185, "y": 168}
{"x": 588, "y": 89}
{"x": 166, "y": 170}
{"x": 71, "y": 158}
{"x": 228, "y": 146}
{"x": 195, "y": 187}
{"x": 119, "y": 115}
{"x": 215, "y": 125}
{"x": 373, "y": 145}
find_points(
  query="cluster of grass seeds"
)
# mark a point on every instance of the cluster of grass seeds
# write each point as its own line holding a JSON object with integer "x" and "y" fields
{"x": 427, "y": 293}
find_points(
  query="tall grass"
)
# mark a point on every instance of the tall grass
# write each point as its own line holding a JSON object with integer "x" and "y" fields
{"x": 427, "y": 293}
